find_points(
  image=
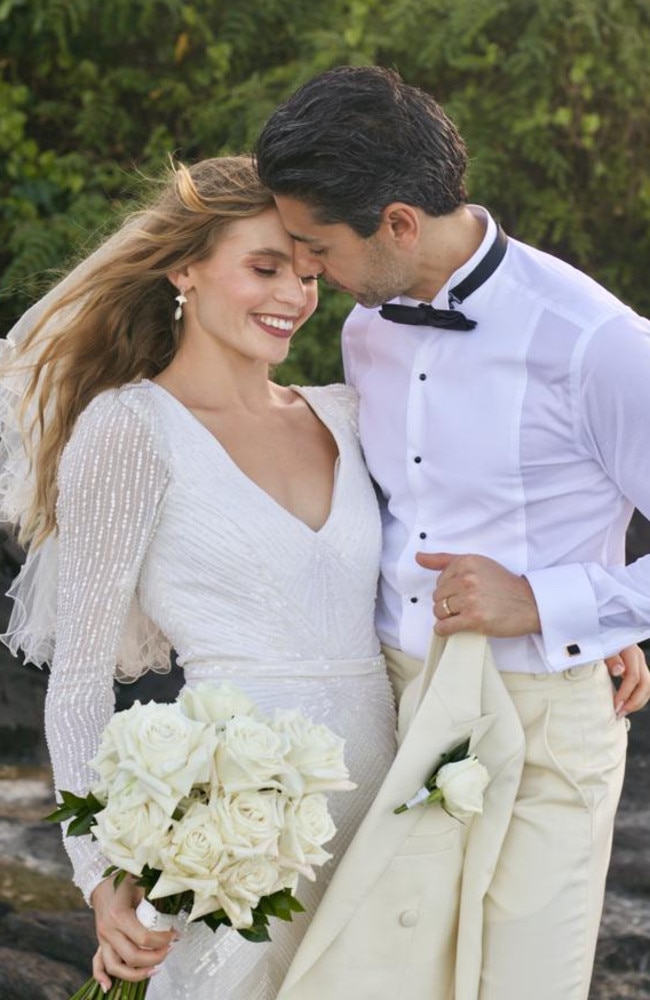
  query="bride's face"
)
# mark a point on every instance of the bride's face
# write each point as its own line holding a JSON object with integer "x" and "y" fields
{"x": 246, "y": 296}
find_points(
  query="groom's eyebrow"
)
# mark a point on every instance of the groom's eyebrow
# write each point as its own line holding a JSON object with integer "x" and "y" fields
{"x": 303, "y": 239}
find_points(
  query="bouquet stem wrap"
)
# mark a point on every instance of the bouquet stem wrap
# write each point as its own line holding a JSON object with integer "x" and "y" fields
{"x": 153, "y": 919}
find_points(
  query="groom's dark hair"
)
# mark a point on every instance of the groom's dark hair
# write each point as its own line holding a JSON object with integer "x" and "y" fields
{"x": 353, "y": 139}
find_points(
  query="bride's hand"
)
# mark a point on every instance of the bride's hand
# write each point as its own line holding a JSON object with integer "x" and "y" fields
{"x": 634, "y": 690}
{"x": 126, "y": 950}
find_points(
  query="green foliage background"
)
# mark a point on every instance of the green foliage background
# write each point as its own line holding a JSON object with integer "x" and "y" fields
{"x": 552, "y": 96}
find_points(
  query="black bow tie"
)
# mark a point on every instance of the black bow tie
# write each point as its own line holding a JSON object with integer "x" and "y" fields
{"x": 451, "y": 319}
{"x": 425, "y": 315}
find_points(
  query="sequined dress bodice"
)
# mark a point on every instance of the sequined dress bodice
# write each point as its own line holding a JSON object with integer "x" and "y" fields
{"x": 164, "y": 542}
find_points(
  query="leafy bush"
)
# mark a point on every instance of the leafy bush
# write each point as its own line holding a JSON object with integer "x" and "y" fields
{"x": 553, "y": 97}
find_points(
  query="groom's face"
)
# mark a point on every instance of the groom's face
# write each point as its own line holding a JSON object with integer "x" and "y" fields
{"x": 368, "y": 269}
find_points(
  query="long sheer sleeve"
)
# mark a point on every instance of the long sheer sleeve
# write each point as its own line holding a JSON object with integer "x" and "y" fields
{"x": 112, "y": 481}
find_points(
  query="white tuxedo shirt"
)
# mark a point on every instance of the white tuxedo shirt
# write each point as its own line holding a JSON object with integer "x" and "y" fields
{"x": 525, "y": 440}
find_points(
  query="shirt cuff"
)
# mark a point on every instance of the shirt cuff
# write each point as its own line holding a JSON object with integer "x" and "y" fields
{"x": 568, "y": 614}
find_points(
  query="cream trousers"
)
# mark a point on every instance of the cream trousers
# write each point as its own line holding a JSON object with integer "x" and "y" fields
{"x": 543, "y": 908}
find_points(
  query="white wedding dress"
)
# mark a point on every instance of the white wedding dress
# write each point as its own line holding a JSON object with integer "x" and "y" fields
{"x": 163, "y": 542}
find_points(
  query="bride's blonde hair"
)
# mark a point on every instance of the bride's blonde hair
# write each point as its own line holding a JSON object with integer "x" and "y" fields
{"x": 115, "y": 324}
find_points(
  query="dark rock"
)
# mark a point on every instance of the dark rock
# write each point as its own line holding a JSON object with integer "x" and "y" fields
{"x": 622, "y": 970}
{"x": 12, "y": 555}
{"x": 34, "y": 977}
{"x": 614, "y": 986}
{"x": 627, "y": 954}
{"x": 22, "y": 696}
{"x": 638, "y": 537}
{"x": 38, "y": 846}
{"x": 637, "y": 544}
{"x": 64, "y": 937}
{"x": 150, "y": 687}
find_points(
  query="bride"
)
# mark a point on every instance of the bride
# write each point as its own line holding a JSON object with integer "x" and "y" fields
{"x": 172, "y": 495}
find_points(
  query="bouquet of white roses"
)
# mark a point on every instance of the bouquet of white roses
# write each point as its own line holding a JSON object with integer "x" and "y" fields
{"x": 213, "y": 808}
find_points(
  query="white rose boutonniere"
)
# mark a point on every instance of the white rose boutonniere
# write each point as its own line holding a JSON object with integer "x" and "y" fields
{"x": 457, "y": 783}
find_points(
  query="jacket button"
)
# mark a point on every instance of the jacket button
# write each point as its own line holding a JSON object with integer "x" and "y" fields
{"x": 408, "y": 918}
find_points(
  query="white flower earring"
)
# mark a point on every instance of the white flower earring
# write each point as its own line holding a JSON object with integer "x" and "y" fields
{"x": 181, "y": 299}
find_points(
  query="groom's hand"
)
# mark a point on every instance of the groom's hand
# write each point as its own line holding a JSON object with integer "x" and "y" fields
{"x": 477, "y": 594}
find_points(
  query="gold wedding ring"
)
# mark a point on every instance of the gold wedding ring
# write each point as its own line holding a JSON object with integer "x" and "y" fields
{"x": 445, "y": 607}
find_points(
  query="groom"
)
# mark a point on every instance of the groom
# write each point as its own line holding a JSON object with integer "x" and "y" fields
{"x": 504, "y": 415}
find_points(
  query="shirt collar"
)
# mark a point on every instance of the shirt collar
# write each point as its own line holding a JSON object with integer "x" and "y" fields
{"x": 441, "y": 300}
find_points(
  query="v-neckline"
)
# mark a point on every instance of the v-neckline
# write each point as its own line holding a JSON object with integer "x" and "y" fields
{"x": 223, "y": 451}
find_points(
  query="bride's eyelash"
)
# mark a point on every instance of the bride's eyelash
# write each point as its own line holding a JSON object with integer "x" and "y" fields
{"x": 270, "y": 272}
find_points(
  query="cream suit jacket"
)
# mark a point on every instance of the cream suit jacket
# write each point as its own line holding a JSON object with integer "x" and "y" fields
{"x": 402, "y": 917}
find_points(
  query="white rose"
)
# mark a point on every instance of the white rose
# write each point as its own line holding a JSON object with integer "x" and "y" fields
{"x": 313, "y": 821}
{"x": 288, "y": 878}
{"x": 131, "y": 837}
{"x": 250, "y": 755}
{"x": 118, "y": 782}
{"x": 107, "y": 758}
{"x": 163, "y": 750}
{"x": 315, "y": 752}
{"x": 241, "y": 886}
{"x": 193, "y": 854}
{"x": 217, "y": 704}
{"x": 250, "y": 821}
{"x": 124, "y": 786}
{"x": 308, "y": 825}
{"x": 462, "y": 785}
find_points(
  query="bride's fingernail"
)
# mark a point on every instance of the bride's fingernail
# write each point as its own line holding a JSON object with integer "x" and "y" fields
{"x": 154, "y": 971}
